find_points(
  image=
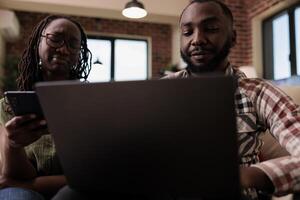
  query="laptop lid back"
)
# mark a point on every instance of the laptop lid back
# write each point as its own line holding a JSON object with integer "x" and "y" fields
{"x": 159, "y": 136}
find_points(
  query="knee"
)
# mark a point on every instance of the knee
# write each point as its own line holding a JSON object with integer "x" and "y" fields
{"x": 14, "y": 193}
{"x": 66, "y": 193}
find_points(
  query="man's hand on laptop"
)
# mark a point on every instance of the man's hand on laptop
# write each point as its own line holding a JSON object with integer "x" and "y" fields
{"x": 253, "y": 177}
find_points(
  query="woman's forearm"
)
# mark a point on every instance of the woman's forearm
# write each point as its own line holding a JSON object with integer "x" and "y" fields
{"x": 14, "y": 161}
{"x": 46, "y": 185}
{"x": 49, "y": 185}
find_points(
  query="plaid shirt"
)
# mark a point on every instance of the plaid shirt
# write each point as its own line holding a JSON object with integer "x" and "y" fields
{"x": 261, "y": 106}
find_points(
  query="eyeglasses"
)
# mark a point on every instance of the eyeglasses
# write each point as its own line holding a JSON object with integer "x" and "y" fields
{"x": 57, "y": 41}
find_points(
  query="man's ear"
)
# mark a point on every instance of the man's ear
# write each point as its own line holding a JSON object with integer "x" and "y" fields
{"x": 233, "y": 38}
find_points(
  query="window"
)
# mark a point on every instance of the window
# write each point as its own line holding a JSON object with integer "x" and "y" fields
{"x": 118, "y": 59}
{"x": 282, "y": 44}
{"x": 101, "y": 50}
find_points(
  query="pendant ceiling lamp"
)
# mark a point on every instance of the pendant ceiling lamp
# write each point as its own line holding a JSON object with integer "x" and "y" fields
{"x": 97, "y": 62}
{"x": 134, "y": 9}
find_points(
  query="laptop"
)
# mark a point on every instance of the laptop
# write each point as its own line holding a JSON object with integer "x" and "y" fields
{"x": 175, "y": 137}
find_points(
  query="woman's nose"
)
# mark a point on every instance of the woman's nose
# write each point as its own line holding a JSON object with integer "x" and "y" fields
{"x": 64, "y": 49}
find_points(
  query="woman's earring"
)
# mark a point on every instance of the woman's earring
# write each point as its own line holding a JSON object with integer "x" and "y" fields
{"x": 40, "y": 64}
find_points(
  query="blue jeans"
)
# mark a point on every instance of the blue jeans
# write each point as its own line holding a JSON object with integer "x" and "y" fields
{"x": 14, "y": 193}
{"x": 67, "y": 193}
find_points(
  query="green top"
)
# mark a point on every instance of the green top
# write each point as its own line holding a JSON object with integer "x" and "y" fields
{"x": 41, "y": 153}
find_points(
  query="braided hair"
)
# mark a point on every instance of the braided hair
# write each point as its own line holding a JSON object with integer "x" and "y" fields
{"x": 29, "y": 71}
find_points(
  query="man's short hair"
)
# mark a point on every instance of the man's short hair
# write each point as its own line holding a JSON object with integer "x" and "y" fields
{"x": 223, "y": 6}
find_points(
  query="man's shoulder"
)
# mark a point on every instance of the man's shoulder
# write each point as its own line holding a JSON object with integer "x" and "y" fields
{"x": 249, "y": 83}
{"x": 177, "y": 75}
{"x": 254, "y": 87}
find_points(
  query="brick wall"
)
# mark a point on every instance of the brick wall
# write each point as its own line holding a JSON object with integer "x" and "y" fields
{"x": 254, "y": 8}
{"x": 241, "y": 54}
{"x": 160, "y": 35}
{"x": 244, "y": 11}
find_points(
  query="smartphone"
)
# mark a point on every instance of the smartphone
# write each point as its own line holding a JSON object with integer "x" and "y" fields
{"x": 24, "y": 102}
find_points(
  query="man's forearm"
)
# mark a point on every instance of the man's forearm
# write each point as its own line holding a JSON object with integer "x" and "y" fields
{"x": 252, "y": 177}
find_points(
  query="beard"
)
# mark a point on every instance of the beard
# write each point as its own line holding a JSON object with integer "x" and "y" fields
{"x": 212, "y": 64}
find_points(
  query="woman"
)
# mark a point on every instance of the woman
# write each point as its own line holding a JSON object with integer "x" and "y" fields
{"x": 57, "y": 50}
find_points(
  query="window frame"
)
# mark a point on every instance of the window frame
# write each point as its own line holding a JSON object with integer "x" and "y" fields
{"x": 267, "y": 29}
{"x": 112, "y": 40}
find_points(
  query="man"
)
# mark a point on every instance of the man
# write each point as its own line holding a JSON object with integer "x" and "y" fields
{"x": 207, "y": 35}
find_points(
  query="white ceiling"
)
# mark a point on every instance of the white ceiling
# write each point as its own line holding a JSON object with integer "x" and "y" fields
{"x": 164, "y": 11}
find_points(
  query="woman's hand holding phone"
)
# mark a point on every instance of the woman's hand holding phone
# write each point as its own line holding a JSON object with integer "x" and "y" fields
{"x": 24, "y": 130}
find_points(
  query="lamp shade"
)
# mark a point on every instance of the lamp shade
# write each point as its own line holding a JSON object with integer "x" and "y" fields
{"x": 134, "y": 9}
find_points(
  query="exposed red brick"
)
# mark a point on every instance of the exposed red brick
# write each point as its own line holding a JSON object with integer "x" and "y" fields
{"x": 241, "y": 54}
{"x": 161, "y": 35}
